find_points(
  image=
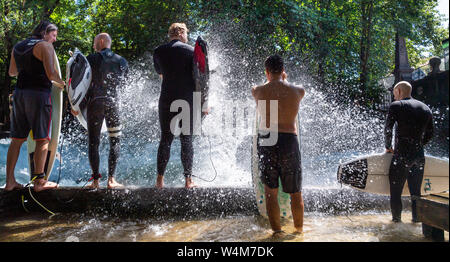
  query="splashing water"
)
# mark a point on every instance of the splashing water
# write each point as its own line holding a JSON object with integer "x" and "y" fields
{"x": 330, "y": 133}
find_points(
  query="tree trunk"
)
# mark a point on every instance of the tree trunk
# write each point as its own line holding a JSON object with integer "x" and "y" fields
{"x": 49, "y": 10}
{"x": 323, "y": 51}
{"x": 6, "y": 90}
{"x": 366, "y": 34}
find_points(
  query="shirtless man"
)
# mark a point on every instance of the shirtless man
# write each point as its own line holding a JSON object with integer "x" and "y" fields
{"x": 281, "y": 160}
{"x": 32, "y": 63}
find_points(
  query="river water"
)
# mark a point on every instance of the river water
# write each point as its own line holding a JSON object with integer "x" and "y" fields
{"x": 364, "y": 227}
{"x": 330, "y": 134}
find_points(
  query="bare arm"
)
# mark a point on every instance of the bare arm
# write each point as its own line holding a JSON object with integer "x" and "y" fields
{"x": 301, "y": 92}
{"x": 254, "y": 93}
{"x": 44, "y": 51}
{"x": 12, "y": 66}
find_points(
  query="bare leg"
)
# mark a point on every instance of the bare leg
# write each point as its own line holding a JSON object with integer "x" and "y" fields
{"x": 273, "y": 209}
{"x": 297, "y": 208}
{"x": 40, "y": 156}
{"x": 160, "y": 181}
{"x": 13, "y": 155}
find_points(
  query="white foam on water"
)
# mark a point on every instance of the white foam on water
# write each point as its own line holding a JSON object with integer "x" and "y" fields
{"x": 157, "y": 230}
{"x": 72, "y": 239}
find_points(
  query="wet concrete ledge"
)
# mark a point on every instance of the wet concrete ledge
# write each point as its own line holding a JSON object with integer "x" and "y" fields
{"x": 181, "y": 203}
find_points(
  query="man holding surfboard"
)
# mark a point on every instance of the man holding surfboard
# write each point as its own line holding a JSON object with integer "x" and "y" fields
{"x": 32, "y": 61}
{"x": 414, "y": 129}
{"x": 109, "y": 72}
{"x": 280, "y": 161}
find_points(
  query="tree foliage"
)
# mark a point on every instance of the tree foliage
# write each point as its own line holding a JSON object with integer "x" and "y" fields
{"x": 345, "y": 43}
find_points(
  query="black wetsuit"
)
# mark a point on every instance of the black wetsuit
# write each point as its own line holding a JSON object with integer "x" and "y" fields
{"x": 414, "y": 129}
{"x": 109, "y": 72}
{"x": 174, "y": 61}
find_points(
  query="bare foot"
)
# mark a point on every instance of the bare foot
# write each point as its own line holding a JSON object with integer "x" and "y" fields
{"x": 160, "y": 182}
{"x": 298, "y": 231}
{"x": 279, "y": 234}
{"x": 189, "y": 183}
{"x": 95, "y": 184}
{"x": 42, "y": 184}
{"x": 12, "y": 186}
{"x": 112, "y": 183}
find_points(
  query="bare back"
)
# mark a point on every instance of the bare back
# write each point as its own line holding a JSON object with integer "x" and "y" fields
{"x": 288, "y": 97}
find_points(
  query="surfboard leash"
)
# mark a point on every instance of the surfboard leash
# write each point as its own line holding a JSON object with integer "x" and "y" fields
{"x": 341, "y": 192}
{"x": 212, "y": 163}
{"x": 60, "y": 167}
{"x": 35, "y": 200}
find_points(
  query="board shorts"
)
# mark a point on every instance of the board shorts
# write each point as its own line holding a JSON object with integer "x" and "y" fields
{"x": 281, "y": 162}
{"x": 31, "y": 110}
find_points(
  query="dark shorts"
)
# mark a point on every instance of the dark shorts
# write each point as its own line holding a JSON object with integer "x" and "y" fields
{"x": 31, "y": 110}
{"x": 281, "y": 162}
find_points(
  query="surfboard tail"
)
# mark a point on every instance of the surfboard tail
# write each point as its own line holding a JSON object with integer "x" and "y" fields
{"x": 354, "y": 173}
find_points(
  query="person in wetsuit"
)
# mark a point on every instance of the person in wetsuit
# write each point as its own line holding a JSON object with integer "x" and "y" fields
{"x": 32, "y": 61}
{"x": 109, "y": 72}
{"x": 280, "y": 158}
{"x": 174, "y": 63}
{"x": 414, "y": 129}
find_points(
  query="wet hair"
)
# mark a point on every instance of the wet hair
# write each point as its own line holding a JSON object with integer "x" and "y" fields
{"x": 274, "y": 64}
{"x": 176, "y": 28}
{"x": 43, "y": 28}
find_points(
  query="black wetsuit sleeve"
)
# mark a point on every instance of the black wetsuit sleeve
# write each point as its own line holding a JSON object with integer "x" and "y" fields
{"x": 389, "y": 125}
{"x": 91, "y": 59}
{"x": 429, "y": 131}
{"x": 156, "y": 63}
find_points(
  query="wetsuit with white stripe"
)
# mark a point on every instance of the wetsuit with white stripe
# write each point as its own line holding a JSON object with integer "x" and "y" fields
{"x": 109, "y": 71}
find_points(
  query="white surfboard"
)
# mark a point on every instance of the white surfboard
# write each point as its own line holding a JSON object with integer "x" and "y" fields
{"x": 284, "y": 199}
{"x": 56, "y": 96}
{"x": 371, "y": 174}
{"x": 78, "y": 77}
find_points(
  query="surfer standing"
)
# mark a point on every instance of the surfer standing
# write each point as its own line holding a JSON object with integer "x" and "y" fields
{"x": 282, "y": 160}
{"x": 414, "y": 129}
{"x": 173, "y": 62}
{"x": 32, "y": 61}
{"x": 109, "y": 72}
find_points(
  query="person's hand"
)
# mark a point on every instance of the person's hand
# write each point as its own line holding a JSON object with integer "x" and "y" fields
{"x": 207, "y": 111}
{"x": 60, "y": 85}
{"x": 75, "y": 113}
{"x": 389, "y": 150}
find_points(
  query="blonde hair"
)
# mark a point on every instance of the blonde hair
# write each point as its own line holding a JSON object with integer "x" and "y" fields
{"x": 176, "y": 29}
